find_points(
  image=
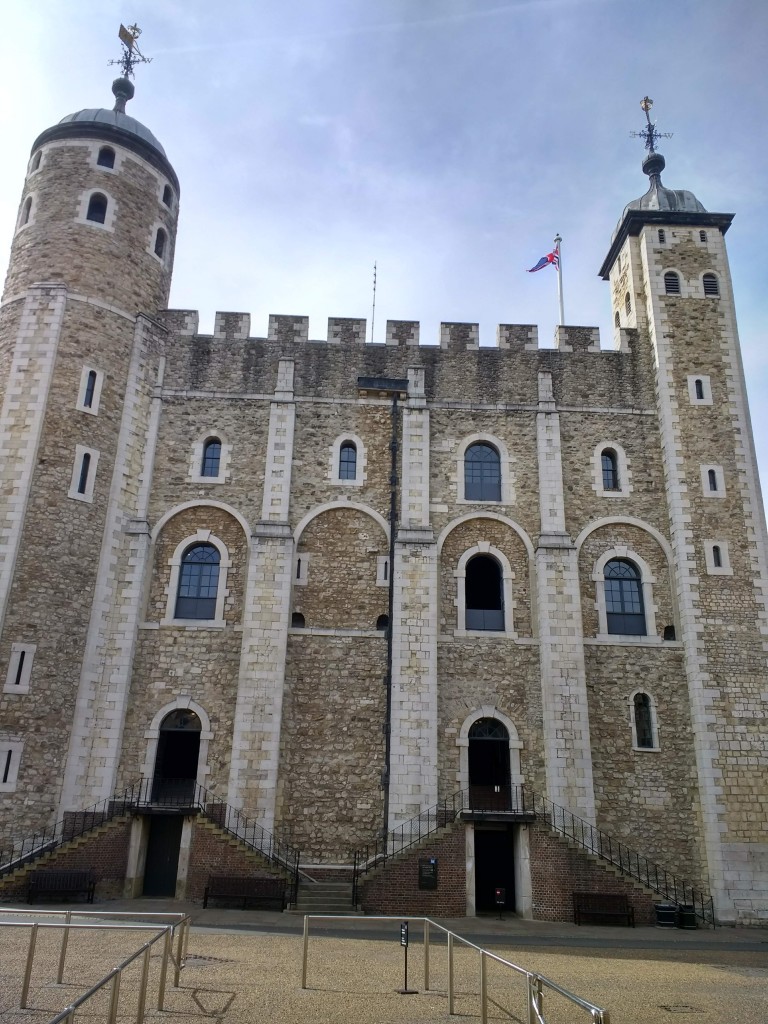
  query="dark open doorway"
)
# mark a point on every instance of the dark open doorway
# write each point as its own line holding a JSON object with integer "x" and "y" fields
{"x": 178, "y": 751}
{"x": 489, "y": 775}
{"x": 494, "y": 868}
{"x": 162, "y": 864}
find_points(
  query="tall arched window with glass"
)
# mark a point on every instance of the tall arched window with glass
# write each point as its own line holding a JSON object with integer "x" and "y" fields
{"x": 624, "y": 607}
{"x": 482, "y": 473}
{"x": 198, "y": 583}
{"x": 211, "y": 457}
{"x": 484, "y": 594}
{"x": 348, "y": 461}
{"x": 610, "y": 467}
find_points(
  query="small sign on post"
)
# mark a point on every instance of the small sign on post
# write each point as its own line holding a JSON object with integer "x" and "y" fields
{"x": 428, "y": 872}
{"x": 500, "y": 896}
{"x": 405, "y": 991}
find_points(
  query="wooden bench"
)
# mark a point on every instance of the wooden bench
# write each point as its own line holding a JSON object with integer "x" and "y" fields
{"x": 603, "y": 906}
{"x": 60, "y": 883}
{"x": 266, "y": 890}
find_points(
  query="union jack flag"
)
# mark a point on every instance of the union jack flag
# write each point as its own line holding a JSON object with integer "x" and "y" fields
{"x": 552, "y": 259}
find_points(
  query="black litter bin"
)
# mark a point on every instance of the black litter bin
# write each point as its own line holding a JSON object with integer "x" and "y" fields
{"x": 666, "y": 915}
{"x": 686, "y": 916}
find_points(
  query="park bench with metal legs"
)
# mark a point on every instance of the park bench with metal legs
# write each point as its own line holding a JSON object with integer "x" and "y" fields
{"x": 264, "y": 890}
{"x": 602, "y": 906}
{"x": 60, "y": 883}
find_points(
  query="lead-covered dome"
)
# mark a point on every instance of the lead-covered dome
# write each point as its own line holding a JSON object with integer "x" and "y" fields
{"x": 115, "y": 119}
{"x": 658, "y": 197}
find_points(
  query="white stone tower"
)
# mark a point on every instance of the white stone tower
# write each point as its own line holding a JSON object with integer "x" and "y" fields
{"x": 90, "y": 265}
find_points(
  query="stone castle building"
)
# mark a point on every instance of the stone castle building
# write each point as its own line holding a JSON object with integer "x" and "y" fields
{"x": 327, "y": 584}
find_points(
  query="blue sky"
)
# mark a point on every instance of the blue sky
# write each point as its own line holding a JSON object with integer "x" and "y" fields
{"x": 449, "y": 140}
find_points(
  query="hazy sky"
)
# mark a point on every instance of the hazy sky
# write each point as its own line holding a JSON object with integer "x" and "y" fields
{"x": 449, "y": 140}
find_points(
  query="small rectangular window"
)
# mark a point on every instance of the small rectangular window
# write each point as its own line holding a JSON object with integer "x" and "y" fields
{"x": 19, "y": 672}
{"x": 83, "y": 473}
{"x": 713, "y": 481}
{"x": 717, "y": 558}
{"x": 382, "y": 571}
{"x": 89, "y": 392}
{"x": 699, "y": 389}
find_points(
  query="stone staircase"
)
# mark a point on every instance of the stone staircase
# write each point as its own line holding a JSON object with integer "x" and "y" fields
{"x": 324, "y": 897}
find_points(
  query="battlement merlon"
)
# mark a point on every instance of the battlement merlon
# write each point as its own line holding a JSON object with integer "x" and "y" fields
{"x": 351, "y": 331}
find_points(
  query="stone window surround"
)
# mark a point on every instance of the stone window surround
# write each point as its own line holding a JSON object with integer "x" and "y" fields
{"x": 505, "y": 467}
{"x": 622, "y": 462}
{"x": 30, "y": 168}
{"x": 182, "y": 703}
{"x": 82, "y": 209}
{"x": 515, "y": 744}
{"x": 32, "y": 212}
{"x": 80, "y": 405}
{"x": 15, "y": 747}
{"x": 17, "y": 649}
{"x": 647, "y": 580}
{"x": 161, "y": 187}
{"x": 719, "y": 477}
{"x": 218, "y": 621}
{"x": 95, "y": 149}
{"x": 301, "y": 568}
{"x": 717, "y": 570}
{"x": 654, "y": 723}
{"x": 706, "y": 388}
{"x": 87, "y": 496}
{"x": 685, "y": 291}
{"x": 157, "y": 226}
{"x": 719, "y": 279}
{"x": 382, "y": 570}
{"x": 507, "y": 575}
{"x": 361, "y": 462}
{"x": 196, "y": 459}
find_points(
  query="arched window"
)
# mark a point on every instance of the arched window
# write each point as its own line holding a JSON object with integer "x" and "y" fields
{"x": 85, "y": 466}
{"x": 717, "y": 556}
{"x": 662, "y": 236}
{"x": 643, "y": 721}
{"x": 97, "y": 208}
{"x": 298, "y": 621}
{"x": 26, "y": 211}
{"x": 211, "y": 463}
{"x": 106, "y": 157}
{"x": 488, "y": 763}
{"x": 616, "y": 319}
{"x": 160, "y": 239}
{"x": 198, "y": 583}
{"x": 624, "y": 598}
{"x": 712, "y": 479}
{"x": 698, "y": 385}
{"x": 482, "y": 473}
{"x": 382, "y": 622}
{"x": 671, "y": 283}
{"x": 36, "y": 160}
{"x": 627, "y": 304}
{"x": 483, "y": 590}
{"x": 610, "y": 467}
{"x": 348, "y": 461}
{"x": 90, "y": 389}
{"x": 711, "y": 284}
{"x": 167, "y": 195}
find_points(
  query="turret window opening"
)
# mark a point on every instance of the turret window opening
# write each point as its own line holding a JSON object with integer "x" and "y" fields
{"x": 627, "y": 304}
{"x": 616, "y": 319}
{"x": 36, "y": 161}
{"x": 168, "y": 196}
{"x": 699, "y": 388}
{"x": 26, "y": 212}
{"x": 643, "y": 722}
{"x": 19, "y": 673}
{"x": 610, "y": 468}
{"x": 482, "y": 473}
{"x": 712, "y": 479}
{"x": 97, "y": 208}
{"x": 484, "y": 596}
{"x": 625, "y": 611}
{"x": 90, "y": 390}
{"x": 211, "y": 464}
{"x": 160, "y": 240}
{"x": 198, "y": 583}
{"x": 106, "y": 157}
{"x": 711, "y": 285}
{"x": 85, "y": 465}
{"x": 348, "y": 461}
{"x": 662, "y": 236}
{"x": 702, "y": 236}
{"x": 671, "y": 283}
{"x": 298, "y": 621}
{"x": 717, "y": 556}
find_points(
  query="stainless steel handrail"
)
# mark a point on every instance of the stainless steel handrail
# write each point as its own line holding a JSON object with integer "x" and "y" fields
{"x": 535, "y": 982}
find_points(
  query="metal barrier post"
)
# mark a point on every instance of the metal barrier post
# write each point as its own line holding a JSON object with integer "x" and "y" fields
{"x": 306, "y": 949}
{"x": 483, "y": 989}
{"x": 426, "y": 956}
{"x": 114, "y": 998}
{"x": 28, "y": 969}
{"x": 177, "y": 960}
{"x": 450, "y": 973}
{"x": 164, "y": 968}
{"x": 63, "y": 953}
{"x": 534, "y": 999}
{"x": 143, "y": 986}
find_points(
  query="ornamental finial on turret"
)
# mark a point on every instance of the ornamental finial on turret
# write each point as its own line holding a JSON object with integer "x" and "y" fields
{"x": 654, "y": 162}
{"x": 131, "y": 56}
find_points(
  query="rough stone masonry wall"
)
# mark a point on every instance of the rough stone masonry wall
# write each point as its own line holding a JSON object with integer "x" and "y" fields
{"x": 395, "y": 888}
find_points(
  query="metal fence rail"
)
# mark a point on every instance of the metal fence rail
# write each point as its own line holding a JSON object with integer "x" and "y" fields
{"x": 536, "y": 985}
{"x": 177, "y": 930}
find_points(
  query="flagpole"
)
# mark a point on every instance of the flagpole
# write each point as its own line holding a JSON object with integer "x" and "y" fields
{"x": 558, "y": 240}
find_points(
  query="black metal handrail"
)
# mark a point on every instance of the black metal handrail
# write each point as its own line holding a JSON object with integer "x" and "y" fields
{"x": 516, "y": 801}
{"x": 174, "y": 794}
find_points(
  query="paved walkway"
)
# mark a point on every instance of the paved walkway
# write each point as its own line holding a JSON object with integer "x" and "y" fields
{"x": 245, "y": 966}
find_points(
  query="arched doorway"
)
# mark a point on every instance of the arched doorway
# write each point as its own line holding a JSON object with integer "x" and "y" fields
{"x": 178, "y": 752}
{"x": 489, "y": 776}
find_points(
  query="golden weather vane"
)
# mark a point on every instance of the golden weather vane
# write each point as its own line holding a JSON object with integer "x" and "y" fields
{"x": 131, "y": 55}
{"x": 649, "y": 134}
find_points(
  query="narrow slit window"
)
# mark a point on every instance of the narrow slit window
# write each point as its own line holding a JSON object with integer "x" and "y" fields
{"x": 7, "y": 765}
{"x": 662, "y": 236}
{"x": 167, "y": 195}
{"x": 90, "y": 390}
{"x": 671, "y": 283}
{"x": 211, "y": 465}
{"x": 712, "y": 479}
{"x": 106, "y": 157}
{"x": 711, "y": 285}
{"x": 97, "y": 208}
{"x": 348, "y": 461}
{"x": 85, "y": 465}
{"x": 717, "y": 556}
{"x": 702, "y": 236}
{"x": 36, "y": 160}
{"x": 160, "y": 240}
{"x": 643, "y": 721}
{"x": 298, "y": 568}
{"x": 26, "y": 212}
{"x": 627, "y": 304}
{"x": 20, "y": 668}
{"x": 699, "y": 388}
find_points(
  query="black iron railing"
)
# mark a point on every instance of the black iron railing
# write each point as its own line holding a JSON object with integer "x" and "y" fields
{"x": 516, "y": 802}
{"x": 173, "y": 794}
